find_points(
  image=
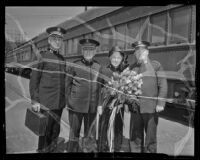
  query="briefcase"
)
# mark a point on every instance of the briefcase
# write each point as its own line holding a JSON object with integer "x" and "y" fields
{"x": 36, "y": 122}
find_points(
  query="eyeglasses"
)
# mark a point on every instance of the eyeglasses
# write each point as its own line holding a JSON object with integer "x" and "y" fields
{"x": 56, "y": 38}
{"x": 88, "y": 48}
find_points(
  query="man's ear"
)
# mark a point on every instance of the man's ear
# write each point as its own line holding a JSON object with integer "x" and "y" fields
{"x": 95, "y": 51}
{"x": 49, "y": 39}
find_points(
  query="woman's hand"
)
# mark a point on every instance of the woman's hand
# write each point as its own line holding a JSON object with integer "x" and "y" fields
{"x": 100, "y": 110}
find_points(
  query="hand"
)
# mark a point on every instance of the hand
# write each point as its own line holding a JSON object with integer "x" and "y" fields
{"x": 100, "y": 110}
{"x": 36, "y": 107}
{"x": 159, "y": 108}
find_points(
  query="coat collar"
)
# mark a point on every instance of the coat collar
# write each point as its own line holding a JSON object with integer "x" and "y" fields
{"x": 53, "y": 51}
{"x": 87, "y": 63}
{"x": 119, "y": 69}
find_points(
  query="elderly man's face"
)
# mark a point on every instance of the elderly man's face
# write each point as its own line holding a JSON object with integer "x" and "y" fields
{"x": 88, "y": 52}
{"x": 141, "y": 54}
{"x": 55, "y": 41}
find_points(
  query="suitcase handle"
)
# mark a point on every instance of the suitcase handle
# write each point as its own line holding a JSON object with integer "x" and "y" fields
{"x": 42, "y": 108}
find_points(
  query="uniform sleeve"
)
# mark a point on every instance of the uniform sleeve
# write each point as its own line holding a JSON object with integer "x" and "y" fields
{"x": 162, "y": 85}
{"x": 35, "y": 81}
{"x": 68, "y": 81}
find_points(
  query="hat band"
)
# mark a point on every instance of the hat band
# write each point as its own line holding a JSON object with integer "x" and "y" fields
{"x": 141, "y": 45}
{"x": 56, "y": 33}
{"x": 88, "y": 44}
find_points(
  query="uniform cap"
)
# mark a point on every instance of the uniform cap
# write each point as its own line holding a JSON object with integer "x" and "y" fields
{"x": 89, "y": 42}
{"x": 56, "y": 31}
{"x": 140, "y": 44}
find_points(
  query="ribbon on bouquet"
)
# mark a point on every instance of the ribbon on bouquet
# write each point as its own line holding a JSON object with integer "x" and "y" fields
{"x": 110, "y": 132}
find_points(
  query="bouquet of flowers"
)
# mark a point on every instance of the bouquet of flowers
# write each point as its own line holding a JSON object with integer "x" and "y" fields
{"x": 125, "y": 88}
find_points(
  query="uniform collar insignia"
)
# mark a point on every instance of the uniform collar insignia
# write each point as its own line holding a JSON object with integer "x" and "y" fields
{"x": 86, "y": 62}
{"x": 53, "y": 51}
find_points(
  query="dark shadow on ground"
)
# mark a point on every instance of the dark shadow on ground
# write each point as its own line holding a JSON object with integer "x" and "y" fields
{"x": 63, "y": 146}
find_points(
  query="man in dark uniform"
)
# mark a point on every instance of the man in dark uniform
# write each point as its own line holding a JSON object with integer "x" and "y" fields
{"x": 154, "y": 90}
{"x": 82, "y": 92}
{"x": 47, "y": 88}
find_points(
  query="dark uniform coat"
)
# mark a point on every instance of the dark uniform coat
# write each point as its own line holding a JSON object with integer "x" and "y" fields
{"x": 154, "y": 85}
{"x": 82, "y": 88}
{"x": 47, "y": 82}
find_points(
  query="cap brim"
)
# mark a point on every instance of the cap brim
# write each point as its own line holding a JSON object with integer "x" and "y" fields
{"x": 89, "y": 41}
{"x": 54, "y": 29}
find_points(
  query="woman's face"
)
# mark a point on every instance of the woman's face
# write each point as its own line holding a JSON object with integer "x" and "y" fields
{"x": 116, "y": 59}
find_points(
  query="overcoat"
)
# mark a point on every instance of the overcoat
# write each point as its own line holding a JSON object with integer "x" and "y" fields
{"x": 83, "y": 86}
{"x": 47, "y": 81}
{"x": 154, "y": 86}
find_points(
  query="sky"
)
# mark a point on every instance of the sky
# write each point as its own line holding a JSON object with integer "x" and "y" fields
{"x": 31, "y": 21}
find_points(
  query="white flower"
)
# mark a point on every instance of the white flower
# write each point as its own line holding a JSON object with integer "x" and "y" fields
{"x": 133, "y": 73}
{"x": 139, "y": 85}
{"x": 140, "y": 81}
{"x": 140, "y": 75}
{"x": 129, "y": 92}
{"x": 128, "y": 80}
{"x": 138, "y": 92}
{"x": 134, "y": 88}
{"x": 133, "y": 78}
{"x": 136, "y": 77}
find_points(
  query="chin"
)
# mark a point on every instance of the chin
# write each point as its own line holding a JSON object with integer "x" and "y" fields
{"x": 56, "y": 47}
{"x": 116, "y": 66}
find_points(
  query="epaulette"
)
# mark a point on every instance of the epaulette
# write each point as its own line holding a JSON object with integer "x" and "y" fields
{"x": 96, "y": 61}
{"x": 77, "y": 60}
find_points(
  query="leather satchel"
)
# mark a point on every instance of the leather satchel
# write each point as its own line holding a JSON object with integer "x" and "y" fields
{"x": 36, "y": 122}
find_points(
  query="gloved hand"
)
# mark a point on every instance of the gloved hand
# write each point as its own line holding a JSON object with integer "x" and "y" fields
{"x": 36, "y": 107}
{"x": 100, "y": 110}
{"x": 159, "y": 108}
